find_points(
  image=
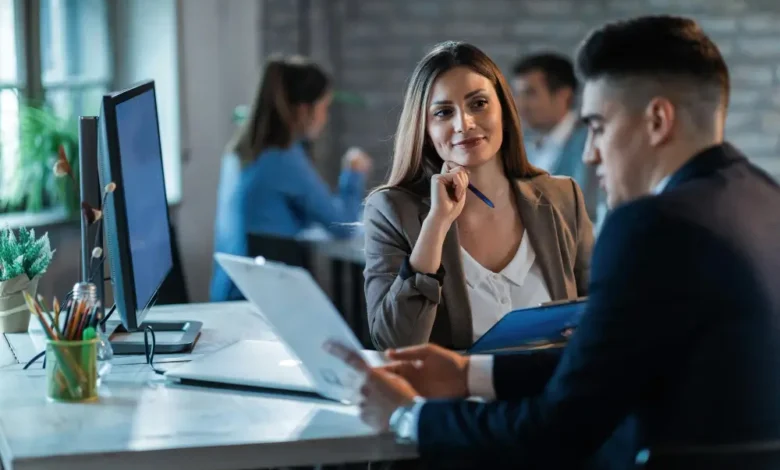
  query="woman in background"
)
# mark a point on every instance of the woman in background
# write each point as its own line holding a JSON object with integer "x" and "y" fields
{"x": 268, "y": 184}
{"x": 443, "y": 264}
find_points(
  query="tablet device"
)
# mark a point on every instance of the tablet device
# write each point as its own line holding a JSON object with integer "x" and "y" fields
{"x": 546, "y": 326}
{"x": 302, "y": 317}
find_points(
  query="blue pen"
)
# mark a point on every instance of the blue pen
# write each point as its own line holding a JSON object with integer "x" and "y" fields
{"x": 481, "y": 196}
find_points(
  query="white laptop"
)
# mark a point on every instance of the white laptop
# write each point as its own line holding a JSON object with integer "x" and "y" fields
{"x": 302, "y": 317}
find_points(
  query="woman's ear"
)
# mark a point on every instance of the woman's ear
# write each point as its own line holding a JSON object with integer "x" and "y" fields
{"x": 301, "y": 112}
{"x": 302, "y": 116}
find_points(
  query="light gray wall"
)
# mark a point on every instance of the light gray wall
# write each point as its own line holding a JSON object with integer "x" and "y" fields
{"x": 219, "y": 59}
{"x": 145, "y": 47}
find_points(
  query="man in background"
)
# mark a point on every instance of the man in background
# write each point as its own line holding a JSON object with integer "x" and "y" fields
{"x": 545, "y": 87}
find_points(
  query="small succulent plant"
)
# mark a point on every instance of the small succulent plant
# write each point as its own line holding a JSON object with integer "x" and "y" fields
{"x": 22, "y": 253}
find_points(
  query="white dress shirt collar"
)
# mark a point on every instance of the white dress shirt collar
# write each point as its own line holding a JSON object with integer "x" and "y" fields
{"x": 545, "y": 150}
{"x": 659, "y": 188}
{"x": 560, "y": 134}
{"x": 492, "y": 295}
{"x": 515, "y": 272}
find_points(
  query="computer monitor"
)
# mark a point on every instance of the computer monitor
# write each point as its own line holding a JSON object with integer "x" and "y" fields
{"x": 135, "y": 216}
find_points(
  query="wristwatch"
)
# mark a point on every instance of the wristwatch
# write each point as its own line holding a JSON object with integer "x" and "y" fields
{"x": 402, "y": 423}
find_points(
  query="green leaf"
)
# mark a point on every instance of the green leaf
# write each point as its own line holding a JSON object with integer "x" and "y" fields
{"x": 34, "y": 186}
{"x": 23, "y": 254}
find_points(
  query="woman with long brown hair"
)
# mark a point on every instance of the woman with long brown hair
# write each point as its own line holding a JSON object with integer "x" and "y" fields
{"x": 268, "y": 184}
{"x": 466, "y": 230}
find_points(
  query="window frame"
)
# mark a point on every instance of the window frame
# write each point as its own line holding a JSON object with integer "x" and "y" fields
{"x": 29, "y": 81}
{"x": 21, "y": 49}
{"x": 30, "y": 85}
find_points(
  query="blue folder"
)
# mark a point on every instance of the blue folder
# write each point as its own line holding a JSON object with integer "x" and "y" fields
{"x": 546, "y": 326}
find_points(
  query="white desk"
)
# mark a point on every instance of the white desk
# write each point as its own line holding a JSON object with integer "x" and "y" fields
{"x": 141, "y": 421}
{"x": 7, "y": 357}
{"x": 351, "y": 250}
{"x": 223, "y": 324}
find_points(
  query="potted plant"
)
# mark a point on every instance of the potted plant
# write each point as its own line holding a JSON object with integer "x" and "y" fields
{"x": 32, "y": 187}
{"x": 23, "y": 260}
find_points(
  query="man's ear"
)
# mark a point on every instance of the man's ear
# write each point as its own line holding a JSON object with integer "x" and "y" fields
{"x": 660, "y": 115}
{"x": 565, "y": 95}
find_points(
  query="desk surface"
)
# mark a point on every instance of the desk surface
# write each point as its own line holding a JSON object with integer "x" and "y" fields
{"x": 142, "y": 421}
{"x": 223, "y": 324}
{"x": 351, "y": 250}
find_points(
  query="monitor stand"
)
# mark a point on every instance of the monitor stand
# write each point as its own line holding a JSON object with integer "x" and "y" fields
{"x": 170, "y": 337}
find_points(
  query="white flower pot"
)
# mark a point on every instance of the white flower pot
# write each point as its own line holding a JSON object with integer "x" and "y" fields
{"x": 14, "y": 314}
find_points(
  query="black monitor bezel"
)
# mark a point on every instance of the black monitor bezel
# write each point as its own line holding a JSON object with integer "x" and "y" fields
{"x": 121, "y": 263}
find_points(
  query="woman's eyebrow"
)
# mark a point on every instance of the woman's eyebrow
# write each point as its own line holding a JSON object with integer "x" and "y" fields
{"x": 468, "y": 95}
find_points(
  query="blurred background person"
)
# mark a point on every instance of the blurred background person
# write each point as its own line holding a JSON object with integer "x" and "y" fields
{"x": 545, "y": 88}
{"x": 268, "y": 183}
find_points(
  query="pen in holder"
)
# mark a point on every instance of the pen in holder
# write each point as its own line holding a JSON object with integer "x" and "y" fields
{"x": 73, "y": 345}
{"x": 71, "y": 370}
{"x": 86, "y": 293}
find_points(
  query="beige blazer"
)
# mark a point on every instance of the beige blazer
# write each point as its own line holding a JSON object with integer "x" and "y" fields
{"x": 417, "y": 310}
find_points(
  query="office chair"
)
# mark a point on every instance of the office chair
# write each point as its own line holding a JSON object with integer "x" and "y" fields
{"x": 280, "y": 249}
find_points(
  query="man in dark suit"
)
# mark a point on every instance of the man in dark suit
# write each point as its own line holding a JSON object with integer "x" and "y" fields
{"x": 682, "y": 329}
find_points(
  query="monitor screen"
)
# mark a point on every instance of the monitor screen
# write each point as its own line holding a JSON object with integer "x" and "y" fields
{"x": 143, "y": 183}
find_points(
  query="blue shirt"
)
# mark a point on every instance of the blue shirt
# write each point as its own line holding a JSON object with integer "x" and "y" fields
{"x": 280, "y": 194}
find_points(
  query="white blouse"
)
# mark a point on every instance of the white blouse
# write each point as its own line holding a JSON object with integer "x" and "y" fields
{"x": 492, "y": 295}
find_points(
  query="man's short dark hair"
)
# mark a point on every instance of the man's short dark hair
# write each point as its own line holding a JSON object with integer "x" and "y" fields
{"x": 657, "y": 48}
{"x": 558, "y": 70}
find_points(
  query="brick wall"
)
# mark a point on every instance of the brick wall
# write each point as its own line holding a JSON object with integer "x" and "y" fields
{"x": 371, "y": 47}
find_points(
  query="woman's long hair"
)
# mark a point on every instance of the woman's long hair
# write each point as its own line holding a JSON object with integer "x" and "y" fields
{"x": 272, "y": 121}
{"x": 414, "y": 158}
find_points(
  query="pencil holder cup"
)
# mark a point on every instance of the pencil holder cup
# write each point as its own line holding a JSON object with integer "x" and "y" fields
{"x": 71, "y": 371}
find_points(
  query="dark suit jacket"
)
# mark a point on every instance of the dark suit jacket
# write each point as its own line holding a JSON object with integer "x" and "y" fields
{"x": 682, "y": 334}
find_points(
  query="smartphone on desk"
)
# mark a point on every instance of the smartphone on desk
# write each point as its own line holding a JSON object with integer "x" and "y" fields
{"x": 544, "y": 327}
